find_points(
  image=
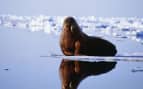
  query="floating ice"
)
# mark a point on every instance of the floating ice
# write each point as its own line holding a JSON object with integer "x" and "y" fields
{"x": 131, "y": 28}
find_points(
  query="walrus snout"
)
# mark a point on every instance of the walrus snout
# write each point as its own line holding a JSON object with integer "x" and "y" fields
{"x": 71, "y": 25}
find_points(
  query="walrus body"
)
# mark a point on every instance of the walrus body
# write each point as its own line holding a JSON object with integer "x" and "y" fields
{"x": 74, "y": 42}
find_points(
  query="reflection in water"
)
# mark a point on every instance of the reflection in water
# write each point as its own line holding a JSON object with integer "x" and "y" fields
{"x": 73, "y": 72}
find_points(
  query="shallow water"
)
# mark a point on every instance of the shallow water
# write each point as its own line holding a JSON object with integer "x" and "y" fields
{"x": 46, "y": 73}
{"x": 33, "y": 60}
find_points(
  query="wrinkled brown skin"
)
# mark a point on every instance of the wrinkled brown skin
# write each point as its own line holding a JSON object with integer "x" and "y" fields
{"x": 74, "y": 42}
{"x": 73, "y": 72}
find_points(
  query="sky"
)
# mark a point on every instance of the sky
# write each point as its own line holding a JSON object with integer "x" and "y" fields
{"x": 99, "y": 8}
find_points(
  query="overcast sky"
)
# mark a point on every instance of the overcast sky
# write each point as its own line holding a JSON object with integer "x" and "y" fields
{"x": 103, "y": 8}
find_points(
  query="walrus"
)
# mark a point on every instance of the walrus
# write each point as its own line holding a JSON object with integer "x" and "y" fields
{"x": 75, "y": 42}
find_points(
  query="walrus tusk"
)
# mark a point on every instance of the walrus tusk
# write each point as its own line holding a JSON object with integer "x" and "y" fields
{"x": 72, "y": 29}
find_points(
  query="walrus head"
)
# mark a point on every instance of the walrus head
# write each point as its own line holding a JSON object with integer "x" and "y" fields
{"x": 70, "y": 25}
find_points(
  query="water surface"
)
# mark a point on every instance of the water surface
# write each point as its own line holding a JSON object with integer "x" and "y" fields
{"x": 30, "y": 56}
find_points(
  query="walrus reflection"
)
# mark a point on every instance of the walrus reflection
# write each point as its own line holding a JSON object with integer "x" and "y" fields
{"x": 75, "y": 42}
{"x": 73, "y": 72}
